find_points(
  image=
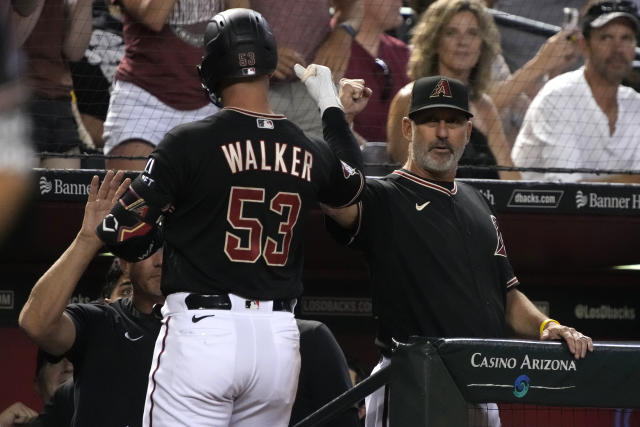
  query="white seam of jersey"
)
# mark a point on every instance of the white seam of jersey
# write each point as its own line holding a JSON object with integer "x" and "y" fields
{"x": 254, "y": 114}
{"x": 428, "y": 184}
{"x": 357, "y": 232}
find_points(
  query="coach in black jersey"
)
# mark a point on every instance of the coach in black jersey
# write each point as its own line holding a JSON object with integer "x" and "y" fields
{"x": 234, "y": 191}
{"x": 438, "y": 262}
{"x": 110, "y": 345}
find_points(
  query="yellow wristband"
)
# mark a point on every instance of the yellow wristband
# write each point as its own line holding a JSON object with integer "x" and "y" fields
{"x": 545, "y": 324}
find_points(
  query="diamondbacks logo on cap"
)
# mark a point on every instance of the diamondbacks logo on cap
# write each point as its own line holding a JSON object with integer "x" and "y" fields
{"x": 441, "y": 89}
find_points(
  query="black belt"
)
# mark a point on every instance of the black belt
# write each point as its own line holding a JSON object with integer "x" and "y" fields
{"x": 223, "y": 302}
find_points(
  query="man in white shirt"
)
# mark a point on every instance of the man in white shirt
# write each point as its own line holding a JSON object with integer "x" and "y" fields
{"x": 585, "y": 118}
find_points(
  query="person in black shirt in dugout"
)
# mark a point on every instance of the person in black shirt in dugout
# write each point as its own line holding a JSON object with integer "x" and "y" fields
{"x": 100, "y": 339}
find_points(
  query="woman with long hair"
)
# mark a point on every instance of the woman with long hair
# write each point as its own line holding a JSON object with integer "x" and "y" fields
{"x": 457, "y": 38}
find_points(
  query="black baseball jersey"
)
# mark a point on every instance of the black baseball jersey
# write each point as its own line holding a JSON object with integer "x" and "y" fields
{"x": 58, "y": 411}
{"x": 324, "y": 374}
{"x": 437, "y": 259}
{"x": 111, "y": 358}
{"x": 239, "y": 186}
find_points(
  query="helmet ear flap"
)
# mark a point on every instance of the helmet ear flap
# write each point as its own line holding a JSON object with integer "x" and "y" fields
{"x": 208, "y": 91}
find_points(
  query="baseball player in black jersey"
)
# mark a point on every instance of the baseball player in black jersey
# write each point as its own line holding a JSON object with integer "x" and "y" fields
{"x": 233, "y": 192}
{"x": 438, "y": 262}
{"x": 110, "y": 345}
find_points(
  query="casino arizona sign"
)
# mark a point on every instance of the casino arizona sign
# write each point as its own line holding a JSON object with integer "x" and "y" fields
{"x": 480, "y": 361}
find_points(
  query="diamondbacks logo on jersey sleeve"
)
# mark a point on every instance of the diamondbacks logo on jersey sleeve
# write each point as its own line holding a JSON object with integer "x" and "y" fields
{"x": 441, "y": 89}
{"x": 347, "y": 170}
{"x": 501, "y": 250}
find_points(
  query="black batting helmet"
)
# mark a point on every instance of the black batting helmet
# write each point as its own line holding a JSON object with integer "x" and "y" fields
{"x": 238, "y": 44}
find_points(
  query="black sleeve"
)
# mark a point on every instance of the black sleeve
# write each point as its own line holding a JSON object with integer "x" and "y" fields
{"x": 338, "y": 135}
{"x": 372, "y": 211}
{"x": 132, "y": 228}
{"x": 85, "y": 317}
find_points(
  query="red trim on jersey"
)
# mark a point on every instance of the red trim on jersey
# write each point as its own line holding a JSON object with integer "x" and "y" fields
{"x": 153, "y": 376}
{"x": 512, "y": 283}
{"x": 426, "y": 183}
{"x": 255, "y": 114}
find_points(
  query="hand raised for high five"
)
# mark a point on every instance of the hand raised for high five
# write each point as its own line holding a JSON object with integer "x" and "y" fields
{"x": 100, "y": 202}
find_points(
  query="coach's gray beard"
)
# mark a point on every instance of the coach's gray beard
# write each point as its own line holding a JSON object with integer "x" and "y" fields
{"x": 421, "y": 155}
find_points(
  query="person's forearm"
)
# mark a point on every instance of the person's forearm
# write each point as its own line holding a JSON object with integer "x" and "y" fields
{"x": 523, "y": 318}
{"x": 79, "y": 31}
{"x": 151, "y": 13}
{"x": 506, "y": 92}
{"x": 50, "y": 295}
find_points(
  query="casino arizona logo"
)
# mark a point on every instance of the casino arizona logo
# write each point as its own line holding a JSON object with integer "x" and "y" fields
{"x": 478, "y": 360}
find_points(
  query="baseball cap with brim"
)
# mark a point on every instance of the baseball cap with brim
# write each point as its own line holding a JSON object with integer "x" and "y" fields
{"x": 439, "y": 92}
{"x": 600, "y": 14}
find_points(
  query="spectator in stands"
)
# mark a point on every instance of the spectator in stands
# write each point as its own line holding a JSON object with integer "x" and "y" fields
{"x": 304, "y": 35}
{"x": 512, "y": 92}
{"x": 457, "y": 39}
{"x": 518, "y": 45}
{"x": 156, "y": 85}
{"x": 61, "y": 34}
{"x": 16, "y": 156}
{"x": 100, "y": 339}
{"x": 93, "y": 73}
{"x": 324, "y": 374}
{"x": 381, "y": 60}
{"x": 585, "y": 118}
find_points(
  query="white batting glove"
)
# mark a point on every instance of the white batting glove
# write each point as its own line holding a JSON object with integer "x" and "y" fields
{"x": 317, "y": 79}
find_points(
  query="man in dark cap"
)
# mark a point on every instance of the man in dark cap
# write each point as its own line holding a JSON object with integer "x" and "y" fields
{"x": 438, "y": 262}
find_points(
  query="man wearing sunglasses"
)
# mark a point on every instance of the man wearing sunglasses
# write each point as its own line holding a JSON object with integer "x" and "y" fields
{"x": 585, "y": 118}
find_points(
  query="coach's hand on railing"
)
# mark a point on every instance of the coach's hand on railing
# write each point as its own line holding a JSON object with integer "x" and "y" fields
{"x": 578, "y": 343}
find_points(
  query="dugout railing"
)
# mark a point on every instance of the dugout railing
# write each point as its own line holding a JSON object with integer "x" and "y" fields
{"x": 433, "y": 381}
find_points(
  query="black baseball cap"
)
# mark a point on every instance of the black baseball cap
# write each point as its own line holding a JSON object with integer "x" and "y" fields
{"x": 439, "y": 92}
{"x": 603, "y": 12}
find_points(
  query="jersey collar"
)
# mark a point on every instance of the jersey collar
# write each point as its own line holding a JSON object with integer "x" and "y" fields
{"x": 254, "y": 114}
{"x": 426, "y": 183}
